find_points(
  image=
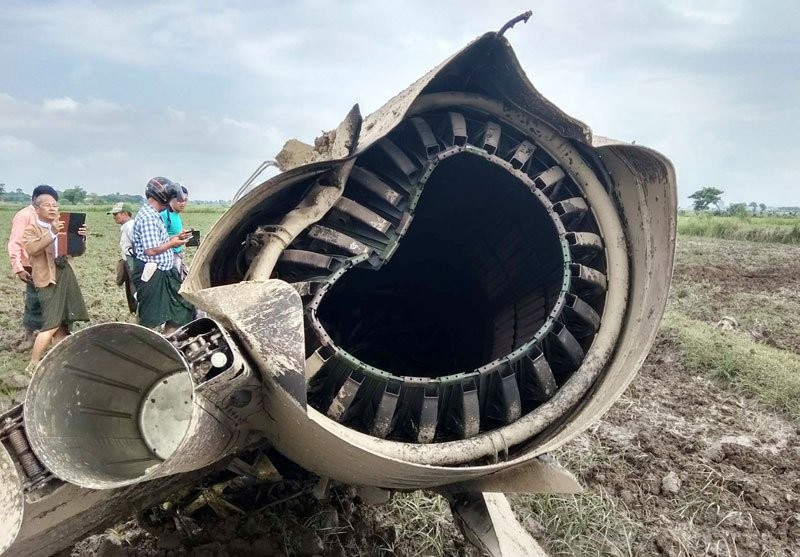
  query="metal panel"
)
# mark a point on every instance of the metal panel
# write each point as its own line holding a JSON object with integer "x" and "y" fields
{"x": 384, "y": 415}
{"x": 345, "y": 397}
{"x": 536, "y": 378}
{"x": 522, "y": 154}
{"x": 458, "y": 127}
{"x": 425, "y": 136}
{"x": 491, "y": 137}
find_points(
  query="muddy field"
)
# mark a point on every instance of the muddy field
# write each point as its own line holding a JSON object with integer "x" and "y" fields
{"x": 697, "y": 458}
{"x": 695, "y": 465}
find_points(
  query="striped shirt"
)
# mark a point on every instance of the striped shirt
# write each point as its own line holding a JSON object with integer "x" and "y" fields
{"x": 149, "y": 232}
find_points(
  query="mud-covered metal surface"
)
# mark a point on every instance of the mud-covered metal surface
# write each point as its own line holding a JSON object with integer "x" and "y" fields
{"x": 502, "y": 388}
{"x": 11, "y": 501}
{"x": 58, "y": 519}
{"x": 268, "y": 318}
{"x": 487, "y": 520}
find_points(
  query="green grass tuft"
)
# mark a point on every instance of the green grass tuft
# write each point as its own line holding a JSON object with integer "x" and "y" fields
{"x": 751, "y": 229}
{"x": 422, "y": 525}
{"x": 769, "y": 374}
{"x": 592, "y": 523}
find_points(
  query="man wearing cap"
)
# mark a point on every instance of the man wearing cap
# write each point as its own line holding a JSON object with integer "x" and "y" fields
{"x": 20, "y": 263}
{"x": 157, "y": 282}
{"x": 125, "y": 264}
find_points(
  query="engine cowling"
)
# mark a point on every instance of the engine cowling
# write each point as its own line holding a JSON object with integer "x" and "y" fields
{"x": 480, "y": 276}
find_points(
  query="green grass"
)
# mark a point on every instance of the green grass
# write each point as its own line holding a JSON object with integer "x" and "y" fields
{"x": 698, "y": 250}
{"x": 422, "y": 525}
{"x": 217, "y": 208}
{"x": 592, "y": 523}
{"x": 751, "y": 229}
{"x": 769, "y": 374}
{"x": 95, "y": 271}
{"x": 772, "y": 317}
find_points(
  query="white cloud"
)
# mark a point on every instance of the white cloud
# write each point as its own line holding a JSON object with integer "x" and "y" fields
{"x": 107, "y": 147}
{"x": 12, "y": 148}
{"x": 106, "y": 94}
{"x": 114, "y": 155}
{"x": 176, "y": 115}
{"x": 239, "y": 124}
{"x": 717, "y": 13}
{"x": 59, "y": 105}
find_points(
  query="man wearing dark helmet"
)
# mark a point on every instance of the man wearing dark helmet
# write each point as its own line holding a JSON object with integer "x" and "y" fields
{"x": 157, "y": 282}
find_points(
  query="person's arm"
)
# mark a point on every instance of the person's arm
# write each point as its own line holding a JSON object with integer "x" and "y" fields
{"x": 16, "y": 247}
{"x": 150, "y": 235}
{"x": 35, "y": 239}
{"x": 126, "y": 239}
{"x": 175, "y": 241}
{"x": 82, "y": 233}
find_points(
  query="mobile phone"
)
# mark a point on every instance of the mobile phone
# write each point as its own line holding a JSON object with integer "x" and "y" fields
{"x": 195, "y": 239}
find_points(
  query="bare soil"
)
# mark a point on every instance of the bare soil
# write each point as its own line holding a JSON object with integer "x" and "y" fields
{"x": 734, "y": 278}
{"x": 705, "y": 472}
{"x": 758, "y": 285}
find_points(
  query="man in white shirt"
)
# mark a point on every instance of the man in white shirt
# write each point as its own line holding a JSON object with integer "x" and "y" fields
{"x": 125, "y": 265}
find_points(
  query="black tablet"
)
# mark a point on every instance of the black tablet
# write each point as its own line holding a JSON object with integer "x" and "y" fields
{"x": 71, "y": 243}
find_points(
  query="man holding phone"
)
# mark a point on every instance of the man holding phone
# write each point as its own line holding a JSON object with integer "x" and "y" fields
{"x": 157, "y": 281}
{"x": 178, "y": 197}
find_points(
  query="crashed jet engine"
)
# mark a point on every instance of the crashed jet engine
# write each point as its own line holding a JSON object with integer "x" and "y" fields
{"x": 432, "y": 297}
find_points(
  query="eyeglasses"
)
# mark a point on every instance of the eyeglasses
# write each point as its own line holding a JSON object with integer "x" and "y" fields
{"x": 49, "y": 205}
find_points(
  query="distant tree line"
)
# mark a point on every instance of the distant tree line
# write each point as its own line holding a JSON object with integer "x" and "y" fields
{"x": 78, "y": 196}
{"x": 74, "y": 196}
{"x": 704, "y": 198}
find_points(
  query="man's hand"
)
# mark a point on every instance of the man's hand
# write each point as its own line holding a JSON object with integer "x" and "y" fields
{"x": 25, "y": 276}
{"x": 181, "y": 238}
{"x": 57, "y": 226}
{"x": 82, "y": 231}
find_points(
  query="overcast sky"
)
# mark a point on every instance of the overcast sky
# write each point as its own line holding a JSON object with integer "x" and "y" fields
{"x": 107, "y": 94}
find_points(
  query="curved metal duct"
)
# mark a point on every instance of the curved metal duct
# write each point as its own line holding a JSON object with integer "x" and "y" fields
{"x": 477, "y": 284}
{"x": 11, "y": 500}
{"x": 469, "y": 266}
{"x": 119, "y": 404}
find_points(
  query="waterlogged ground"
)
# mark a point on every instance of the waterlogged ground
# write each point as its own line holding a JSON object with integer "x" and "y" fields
{"x": 701, "y": 456}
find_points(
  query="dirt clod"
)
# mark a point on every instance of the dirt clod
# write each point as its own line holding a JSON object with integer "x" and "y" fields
{"x": 670, "y": 484}
{"x": 310, "y": 544}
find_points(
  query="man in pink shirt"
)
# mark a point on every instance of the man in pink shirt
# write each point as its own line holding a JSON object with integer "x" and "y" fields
{"x": 20, "y": 265}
